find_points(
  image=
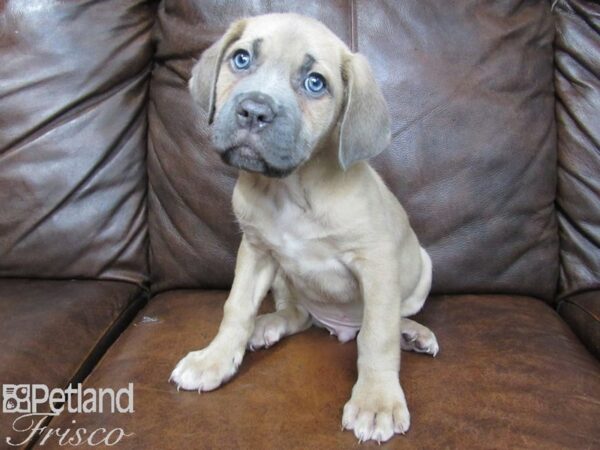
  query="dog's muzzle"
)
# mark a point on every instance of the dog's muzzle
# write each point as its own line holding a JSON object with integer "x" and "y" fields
{"x": 255, "y": 133}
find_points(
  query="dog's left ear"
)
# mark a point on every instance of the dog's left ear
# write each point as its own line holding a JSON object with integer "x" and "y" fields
{"x": 205, "y": 73}
{"x": 365, "y": 122}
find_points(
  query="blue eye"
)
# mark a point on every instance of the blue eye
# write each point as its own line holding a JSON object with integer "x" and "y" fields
{"x": 315, "y": 83}
{"x": 241, "y": 60}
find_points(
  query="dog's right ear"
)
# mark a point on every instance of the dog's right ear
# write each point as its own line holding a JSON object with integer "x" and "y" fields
{"x": 205, "y": 73}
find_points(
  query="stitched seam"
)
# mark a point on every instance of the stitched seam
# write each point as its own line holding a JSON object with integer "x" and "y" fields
{"x": 353, "y": 38}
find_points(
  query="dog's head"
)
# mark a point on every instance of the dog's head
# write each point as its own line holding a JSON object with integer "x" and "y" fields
{"x": 280, "y": 87}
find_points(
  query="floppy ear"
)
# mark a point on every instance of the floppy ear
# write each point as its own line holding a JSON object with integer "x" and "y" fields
{"x": 365, "y": 123}
{"x": 205, "y": 73}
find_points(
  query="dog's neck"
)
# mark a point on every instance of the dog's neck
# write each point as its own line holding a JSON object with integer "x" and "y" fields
{"x": 321, "y": 172}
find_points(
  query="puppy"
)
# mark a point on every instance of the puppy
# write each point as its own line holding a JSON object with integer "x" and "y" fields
{"x": 299, "y": 113}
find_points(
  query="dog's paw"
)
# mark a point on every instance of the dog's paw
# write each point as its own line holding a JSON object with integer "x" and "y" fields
{"x": 376, "y": 413}
{"x": 207, "y": 369}
{"x": 268, "y": 329}
{"x": 420, "y": 340}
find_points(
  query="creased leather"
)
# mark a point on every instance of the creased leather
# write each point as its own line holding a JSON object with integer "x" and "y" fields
{"x": 577, "y": 78}
{"x": 473, "y": 157}
{"x": 74, "y": 79}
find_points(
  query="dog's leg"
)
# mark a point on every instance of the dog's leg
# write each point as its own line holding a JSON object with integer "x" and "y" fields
{"x": 418, "y": 338}
{"x": 377, "y": 408}
{"x": 207, "y": 369}
{"x": 289, "y": 318}
{"x": 415, "y": 301}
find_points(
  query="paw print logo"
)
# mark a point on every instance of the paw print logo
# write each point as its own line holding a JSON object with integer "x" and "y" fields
{"x": 16, "y": 398}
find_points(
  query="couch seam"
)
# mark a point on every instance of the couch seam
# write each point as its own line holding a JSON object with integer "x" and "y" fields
{"x": 581, "y": 308}
{"x": 353, "y": 37}
{"x": 101, "y": 346}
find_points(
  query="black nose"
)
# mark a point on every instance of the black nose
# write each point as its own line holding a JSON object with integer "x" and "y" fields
{"x": 255, "y": 112}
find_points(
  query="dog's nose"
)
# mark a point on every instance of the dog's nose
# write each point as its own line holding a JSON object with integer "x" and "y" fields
{"x": 255, "y": 112}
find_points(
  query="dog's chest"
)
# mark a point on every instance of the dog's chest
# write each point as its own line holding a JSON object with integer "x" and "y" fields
{"x": 305, "y": 249}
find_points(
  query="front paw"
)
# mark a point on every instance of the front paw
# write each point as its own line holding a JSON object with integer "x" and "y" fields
{"x": 207, "y": 369}
{"x": 376, "y": 412}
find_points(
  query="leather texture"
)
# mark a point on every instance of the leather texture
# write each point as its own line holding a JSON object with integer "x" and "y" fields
{"x": 582, "y": 313}
{"x": 52, "y": 331}
{"x": 104, "y": 167}
{"x": 577, "y": 78}
{"x": 510, "y": 374}
{"x": 73, "y": 138}
{"x": 473, "y": 157}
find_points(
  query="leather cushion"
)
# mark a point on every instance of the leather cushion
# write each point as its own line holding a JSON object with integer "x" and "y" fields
{"x": 473, "y": 156}
{"x": 53, "y": 331}
{"x": 72, "y": 146}
{"x": 582, "y": 313}
{"x": 577, "y": 111}
{"x": 510, "y": 374}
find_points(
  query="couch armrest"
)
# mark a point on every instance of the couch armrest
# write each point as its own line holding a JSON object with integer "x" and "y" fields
{"x": 582, "y": 313}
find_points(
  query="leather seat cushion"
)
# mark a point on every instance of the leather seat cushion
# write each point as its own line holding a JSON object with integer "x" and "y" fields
{"x": 52, "y": 332}
{"x": 510, "y": 374}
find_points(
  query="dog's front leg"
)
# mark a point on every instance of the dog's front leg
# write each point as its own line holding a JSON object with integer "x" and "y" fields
{"x": 207, "y": 369}
{"x": 377, "y": 408}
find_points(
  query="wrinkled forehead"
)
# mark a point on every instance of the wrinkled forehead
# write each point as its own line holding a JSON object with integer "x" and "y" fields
{"x": 292, "y": 40}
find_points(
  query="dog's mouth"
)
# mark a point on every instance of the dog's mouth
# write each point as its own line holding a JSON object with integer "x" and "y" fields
{"x": 247, "y": 158}
{"x": 244, "y": 157}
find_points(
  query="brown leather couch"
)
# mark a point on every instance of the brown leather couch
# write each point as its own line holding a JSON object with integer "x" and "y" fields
{"x": 117, "y": 240}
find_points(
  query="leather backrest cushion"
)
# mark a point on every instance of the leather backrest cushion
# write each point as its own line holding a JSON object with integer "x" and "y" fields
{"x": 73, "y": 129}
{"x": 578, "y": 121}
{"x": 473, "y": 154}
